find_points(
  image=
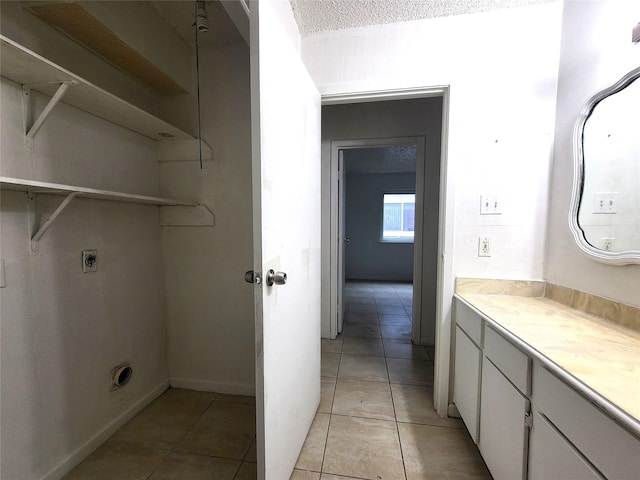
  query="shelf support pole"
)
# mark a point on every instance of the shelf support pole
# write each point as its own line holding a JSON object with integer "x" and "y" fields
{"x": 35, "y": 237}
{"x": 33, "y": 129}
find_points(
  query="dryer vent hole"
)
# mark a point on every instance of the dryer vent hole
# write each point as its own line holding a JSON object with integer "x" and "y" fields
{"x": 121, "y": 376}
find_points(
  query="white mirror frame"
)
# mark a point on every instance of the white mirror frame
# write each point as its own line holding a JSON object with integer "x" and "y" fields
{"x": 615, "y": 258}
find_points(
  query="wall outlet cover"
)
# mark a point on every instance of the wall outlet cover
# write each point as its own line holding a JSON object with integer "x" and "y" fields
{"x": 484, "y": 247}
{"x": 607, "y": 244}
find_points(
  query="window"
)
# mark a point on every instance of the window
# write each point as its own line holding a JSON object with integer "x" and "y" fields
{"x": 398, "y": 217}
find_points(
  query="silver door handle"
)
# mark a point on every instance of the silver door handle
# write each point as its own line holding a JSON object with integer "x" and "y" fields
{"x": 276, "y": 278}
{"x": 347, "y": 240}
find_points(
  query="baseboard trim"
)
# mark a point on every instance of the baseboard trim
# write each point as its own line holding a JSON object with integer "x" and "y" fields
{"x": 208, "y": 386}
{"x": 94, "y": 442}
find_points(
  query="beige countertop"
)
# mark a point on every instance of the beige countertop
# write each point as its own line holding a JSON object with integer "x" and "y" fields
{"x": 603, "y": 356}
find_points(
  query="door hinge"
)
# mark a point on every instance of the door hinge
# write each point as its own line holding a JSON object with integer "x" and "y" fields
{"x": 528, "y": 420}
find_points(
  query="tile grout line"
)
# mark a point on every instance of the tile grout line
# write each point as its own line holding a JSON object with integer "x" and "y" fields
{"x": 215, "y": 398}
{"x": 333, "y": 399}
{"x": 388, "y": 383}
{"x": 171, "y": 450}
{"x": 395, "y": 416}
{"x": 159, "y": 464}
{"x": 410, "y": 315}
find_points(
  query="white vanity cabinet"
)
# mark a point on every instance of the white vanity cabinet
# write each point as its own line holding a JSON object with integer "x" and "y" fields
{"x": 531, "y": 419}
{"x": 467, "y": 365}
{"x": 504, "y": 434}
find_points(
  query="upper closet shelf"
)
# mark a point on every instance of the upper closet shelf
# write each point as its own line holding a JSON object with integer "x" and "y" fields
{"x": 29, "y": 69}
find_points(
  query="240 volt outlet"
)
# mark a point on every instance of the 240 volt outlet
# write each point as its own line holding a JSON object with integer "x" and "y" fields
{"x": 89, "y": 261}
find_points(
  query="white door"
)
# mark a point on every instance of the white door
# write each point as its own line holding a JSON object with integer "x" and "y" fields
{"x": 286, "y": 230}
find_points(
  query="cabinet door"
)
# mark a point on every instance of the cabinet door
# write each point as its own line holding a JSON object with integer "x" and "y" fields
{"x": 610, "y": 448}
{"x": 551, "y": 456}
{"x": 466, "y": 383}
{"x": 503, "y": 434}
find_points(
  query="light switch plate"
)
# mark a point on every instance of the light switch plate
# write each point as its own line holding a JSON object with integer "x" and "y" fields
{"x": 605, "y": 203}
{"x": 490, "y": 205}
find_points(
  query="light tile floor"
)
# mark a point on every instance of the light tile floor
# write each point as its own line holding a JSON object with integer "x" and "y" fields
{"x": 375, "y": 421}
{"x": 182, "y": 435}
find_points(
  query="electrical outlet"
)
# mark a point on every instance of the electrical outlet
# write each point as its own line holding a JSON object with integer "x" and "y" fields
{"x": 89, "y": 261}
{"x": 606, "y": 244}
{"x": 490, "y": 205}
{"x": 484, "y": 247}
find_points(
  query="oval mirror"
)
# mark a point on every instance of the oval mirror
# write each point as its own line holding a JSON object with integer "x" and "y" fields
{"x": 605, "y": 205}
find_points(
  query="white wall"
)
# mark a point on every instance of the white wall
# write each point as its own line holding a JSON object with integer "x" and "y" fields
{"x": 502, "y": 69}
{"x": 596, "y": 52}
{"x": 63, "y": 331}
{"x": 209, "y": 306}
{"x": 366, "y": 258}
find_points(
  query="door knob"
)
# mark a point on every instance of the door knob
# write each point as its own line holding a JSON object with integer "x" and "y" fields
{"x": 277, "y": 278}
{"x": 252, "y": 277}
{"x": 347, "y": 240}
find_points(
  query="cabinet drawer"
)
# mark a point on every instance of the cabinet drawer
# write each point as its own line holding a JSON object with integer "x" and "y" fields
{"x": 609, "y": 447}
{"x": 470, "y": 322}
{"x": 514, "y": 364}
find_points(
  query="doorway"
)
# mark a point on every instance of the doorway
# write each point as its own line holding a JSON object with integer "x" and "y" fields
{"x": 380, "y": 186}
{"x": 379, "y": 116}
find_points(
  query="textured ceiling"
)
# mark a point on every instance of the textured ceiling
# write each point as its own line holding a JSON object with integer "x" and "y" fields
{"x": 322, "y": 15}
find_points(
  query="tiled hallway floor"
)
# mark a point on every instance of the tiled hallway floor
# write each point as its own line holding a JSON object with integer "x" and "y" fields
{"x": 376, "y": 418}
{"x": 375, "y": 421}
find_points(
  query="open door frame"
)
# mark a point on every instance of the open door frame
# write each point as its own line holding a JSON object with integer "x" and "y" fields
{"x": 337, "y": 209}
{"x": 445, "y": 288}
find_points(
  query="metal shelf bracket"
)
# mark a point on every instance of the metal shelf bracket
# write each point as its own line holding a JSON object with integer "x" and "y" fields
{"x": 36, "y": 231}
{"x": 33, "y": 127}
{"x": 185, "y": 216}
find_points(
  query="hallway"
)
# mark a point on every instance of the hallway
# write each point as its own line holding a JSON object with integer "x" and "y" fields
{"x": 376, "y": 419}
